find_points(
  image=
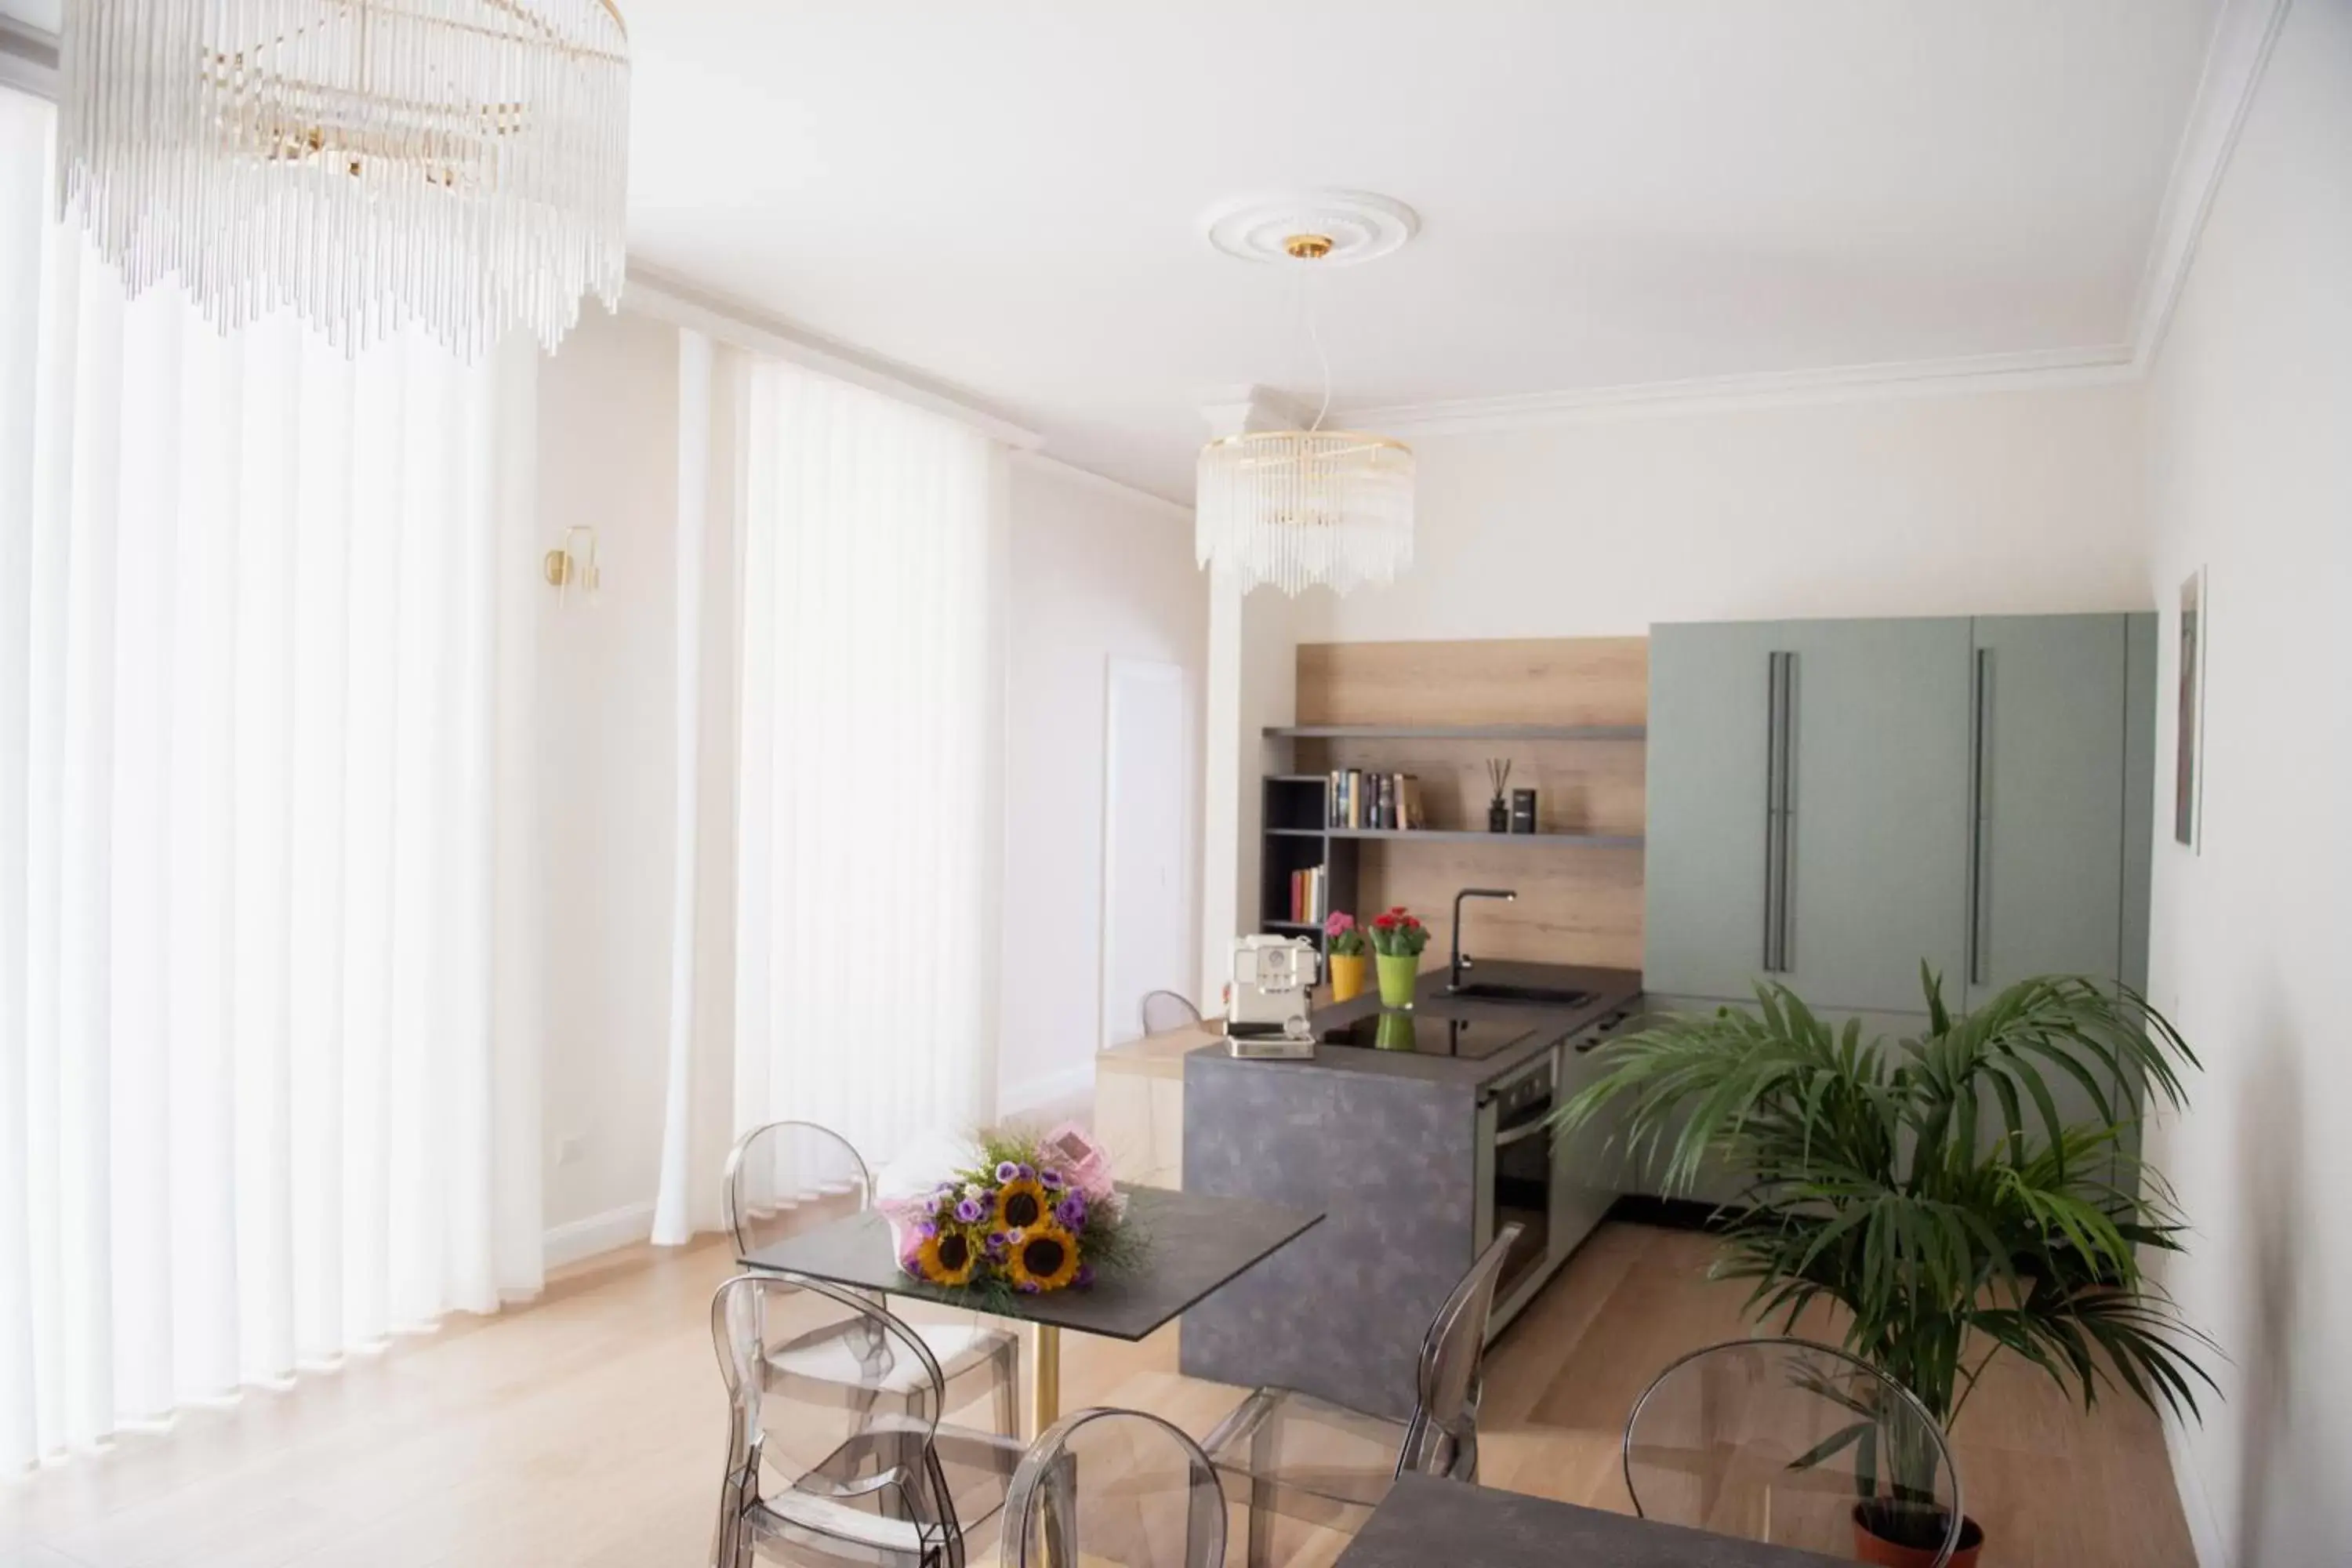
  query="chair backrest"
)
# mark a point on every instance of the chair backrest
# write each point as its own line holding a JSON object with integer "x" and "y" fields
{"x": 1165, "y": 1010}
{"x": 1442, "y": 1438}
{"x": 831, "y": 1396}
{"x": 1781, "y": 1440}
{"x": 787, "y": 1177}
{"x": 1118, "y": 1487}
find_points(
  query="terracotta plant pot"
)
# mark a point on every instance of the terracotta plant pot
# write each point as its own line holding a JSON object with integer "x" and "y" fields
{"x": 1398, "y": 971}
{"x": 1871, "y": 1547}
{"x": 1346, "y": 976}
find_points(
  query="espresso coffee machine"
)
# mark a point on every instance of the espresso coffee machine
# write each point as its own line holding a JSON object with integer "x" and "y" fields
{"x": 1268, "y": 999}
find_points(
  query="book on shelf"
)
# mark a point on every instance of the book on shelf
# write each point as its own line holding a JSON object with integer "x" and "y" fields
{"x": 1306, "y": 895}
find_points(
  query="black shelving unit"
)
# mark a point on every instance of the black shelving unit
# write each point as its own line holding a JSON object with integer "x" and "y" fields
{"x": 1298, "y": 836}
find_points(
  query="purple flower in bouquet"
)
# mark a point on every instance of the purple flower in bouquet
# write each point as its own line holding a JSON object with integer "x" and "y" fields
{"x": 1028, "y": 1172}
{"x": 970, "y": 1210}
{"x": 1051, "y": 1179}
{"x": 1072, "y": 1213}
{"x": 1006, "y": 1171}
{"x": 1084, "y": 1277}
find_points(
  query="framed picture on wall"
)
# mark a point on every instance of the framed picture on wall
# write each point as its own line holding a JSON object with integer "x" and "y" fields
{"x": 2189, "y": 749}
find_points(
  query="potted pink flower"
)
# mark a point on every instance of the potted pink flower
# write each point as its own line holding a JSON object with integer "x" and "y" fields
{"x": 1348, "y": 950}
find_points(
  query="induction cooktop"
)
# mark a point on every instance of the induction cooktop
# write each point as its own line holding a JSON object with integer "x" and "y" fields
{"x": 1427, "y": 1034}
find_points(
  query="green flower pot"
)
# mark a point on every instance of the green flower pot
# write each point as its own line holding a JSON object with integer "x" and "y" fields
{"x": 1397, "y": 973}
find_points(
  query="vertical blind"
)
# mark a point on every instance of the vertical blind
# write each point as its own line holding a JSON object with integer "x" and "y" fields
{"x": 267, "y": 1072}
{"x": 869, "y": 795}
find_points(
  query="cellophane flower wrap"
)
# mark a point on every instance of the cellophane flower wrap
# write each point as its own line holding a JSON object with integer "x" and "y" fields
{"x": 1033, "y": 1212}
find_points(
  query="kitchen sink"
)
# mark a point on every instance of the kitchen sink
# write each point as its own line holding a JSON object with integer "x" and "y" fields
{"x": 1534, "y": 995}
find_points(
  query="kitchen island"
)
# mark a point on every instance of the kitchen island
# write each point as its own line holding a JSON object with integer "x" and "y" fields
{"x": 1416, "y": 1158}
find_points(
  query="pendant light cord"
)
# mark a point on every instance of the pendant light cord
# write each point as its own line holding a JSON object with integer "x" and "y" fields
{"x": 1315, "y": 337}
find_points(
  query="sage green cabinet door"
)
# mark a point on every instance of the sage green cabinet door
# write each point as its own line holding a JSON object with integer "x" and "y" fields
{"x": 1878, "y": 810}
{"x": 1703, "y": 866}
{"x": 1873, "y": 876}
{"x": 2050, "y": 852}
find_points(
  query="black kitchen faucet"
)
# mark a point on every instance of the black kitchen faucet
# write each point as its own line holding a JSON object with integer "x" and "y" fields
{"x": 1453, "y": 969}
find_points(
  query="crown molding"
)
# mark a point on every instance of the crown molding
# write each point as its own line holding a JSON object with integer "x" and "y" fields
{"x": 28, "y": 58}
{"x": 1160, "y": 506}
{"x": 2234, "y": 61}
{"x": 652, "y": 292}
{"x": 2035, "y": 369}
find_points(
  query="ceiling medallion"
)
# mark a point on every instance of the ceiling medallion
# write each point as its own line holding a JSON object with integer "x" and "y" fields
{"x": 1296, "y": 507}
{"x": 461, "y": 165}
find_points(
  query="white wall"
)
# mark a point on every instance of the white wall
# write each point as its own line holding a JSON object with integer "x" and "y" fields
{"x": 2250, "y": 428}
{"x": 1927, "y": 504}
{"x": 608, "y": 458}
{"x": 1096, "y": 572}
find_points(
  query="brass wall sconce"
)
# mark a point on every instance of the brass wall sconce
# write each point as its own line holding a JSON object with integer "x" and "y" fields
{"x": 572, "y": 565}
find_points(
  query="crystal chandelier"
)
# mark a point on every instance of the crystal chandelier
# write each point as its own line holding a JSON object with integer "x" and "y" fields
{"x": 1295, "y": 507}
{"x": 461, "y": 165}
{"x": 1298, "y": 507}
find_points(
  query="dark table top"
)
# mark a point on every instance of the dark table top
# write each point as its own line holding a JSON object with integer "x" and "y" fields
{"x": 1194, "y": 1243}
{"x": 1426, "y": 1522}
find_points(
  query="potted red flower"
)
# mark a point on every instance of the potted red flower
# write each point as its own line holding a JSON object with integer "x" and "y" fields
{"x": 1398, "y": 938}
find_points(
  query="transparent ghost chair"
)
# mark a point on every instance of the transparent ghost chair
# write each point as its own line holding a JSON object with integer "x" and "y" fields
{"x": 1115, "y": 1488}
{"x": 1290, "y": 1453}
{"x": 1166, "y": 1010}
{"x": 1795, "y": 1443}
{"x": 788, "y": 1177}
{"x": 823, "y": 1470}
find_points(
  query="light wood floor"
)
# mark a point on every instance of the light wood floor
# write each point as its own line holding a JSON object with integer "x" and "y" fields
{"x": 588, "y": 1429}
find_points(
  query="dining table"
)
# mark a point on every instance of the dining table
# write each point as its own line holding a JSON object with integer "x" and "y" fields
{"x": 1425, "y": 1521}
{"x": 1194, "y": 1243}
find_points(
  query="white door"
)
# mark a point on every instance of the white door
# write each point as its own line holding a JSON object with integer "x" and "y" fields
{"x": 1146, "y": 927}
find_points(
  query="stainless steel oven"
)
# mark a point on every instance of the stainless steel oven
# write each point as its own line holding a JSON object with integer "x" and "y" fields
{"x": 1556, "y": 1191}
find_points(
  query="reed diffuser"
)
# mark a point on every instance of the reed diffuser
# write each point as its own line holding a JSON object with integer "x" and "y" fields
{"x": 1498, "y": 810}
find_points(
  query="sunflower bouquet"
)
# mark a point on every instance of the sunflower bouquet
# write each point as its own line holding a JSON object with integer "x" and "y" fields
{"x": 1031, "y": 1213}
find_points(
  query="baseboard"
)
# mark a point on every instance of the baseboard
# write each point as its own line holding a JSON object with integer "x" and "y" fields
{"x": 2196, "y": 1505}
{"x": 607, "y": 1232}
{"x": 1669, "y": 1213}
{"x": 1045, "y": 1089}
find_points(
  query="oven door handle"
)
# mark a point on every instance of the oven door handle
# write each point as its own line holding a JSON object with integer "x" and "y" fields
{"x": 1523, "y": 1130}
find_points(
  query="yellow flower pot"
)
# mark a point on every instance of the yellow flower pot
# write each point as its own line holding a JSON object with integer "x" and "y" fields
{"x": 1397, "y": 973}
{"x": 1346, "y": 976}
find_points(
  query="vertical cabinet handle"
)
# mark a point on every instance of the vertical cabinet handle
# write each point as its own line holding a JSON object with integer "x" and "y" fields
{"x": 1779, "y": 668}
{"x": 1787, "y": 800}
{"x": 1979, "y": 816}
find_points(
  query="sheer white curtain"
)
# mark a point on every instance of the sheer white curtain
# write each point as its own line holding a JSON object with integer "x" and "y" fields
{"x": 267, "y": 1071}
{"x": 869, "y": 816}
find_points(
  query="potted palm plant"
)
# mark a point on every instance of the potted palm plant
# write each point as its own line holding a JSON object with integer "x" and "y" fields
{"x": 1931, "y": 1189}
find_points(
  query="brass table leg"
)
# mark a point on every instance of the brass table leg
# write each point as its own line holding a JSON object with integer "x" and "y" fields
{"x": 1044, "y": 1379}
{"x": 1045, "y": 1374}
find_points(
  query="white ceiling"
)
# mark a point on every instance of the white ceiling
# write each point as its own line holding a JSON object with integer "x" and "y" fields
{"x": 1005, "y": 197}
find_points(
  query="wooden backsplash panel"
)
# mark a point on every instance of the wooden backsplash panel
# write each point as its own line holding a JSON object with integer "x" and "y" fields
{"x": 1576, "y": 905}
{"x": 1547, "y": 680}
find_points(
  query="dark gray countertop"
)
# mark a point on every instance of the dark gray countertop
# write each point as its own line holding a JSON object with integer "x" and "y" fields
{"x": 1612, "y": 989}
{"x": 1424, "y": 1521}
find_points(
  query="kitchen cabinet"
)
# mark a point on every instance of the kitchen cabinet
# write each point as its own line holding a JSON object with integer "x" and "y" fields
{"x": 1808, "y": 806}
{"x": 2048, "y": 856}
{"x": 1832, "y": 802}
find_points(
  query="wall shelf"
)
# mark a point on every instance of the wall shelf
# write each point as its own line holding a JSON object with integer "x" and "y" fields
{"x": 1474, "y": 836}
{"x": 1456, "y": 732}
